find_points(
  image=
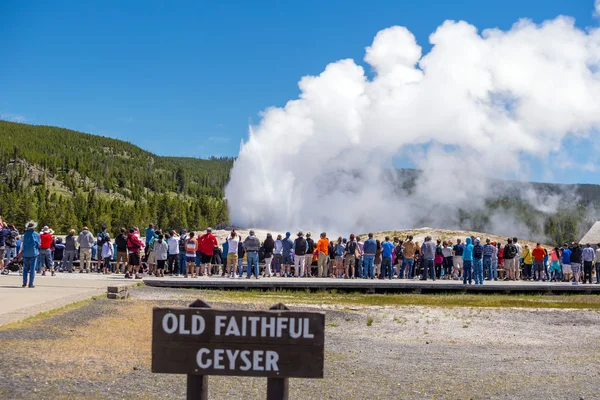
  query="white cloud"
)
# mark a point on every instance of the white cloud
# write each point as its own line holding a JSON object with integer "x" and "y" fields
{"x": 13, "y": 117}
{"x": 480, "y": 102}
{"x": 597, "y": 7}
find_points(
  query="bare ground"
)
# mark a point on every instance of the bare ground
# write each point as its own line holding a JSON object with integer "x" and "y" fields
{"x": 102, "y": 350}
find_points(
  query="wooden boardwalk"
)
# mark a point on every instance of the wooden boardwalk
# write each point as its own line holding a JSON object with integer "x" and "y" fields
{"x": 372, "y": 286}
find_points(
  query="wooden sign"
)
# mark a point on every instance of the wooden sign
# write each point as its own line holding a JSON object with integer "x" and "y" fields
{"x": 206, "y": 341}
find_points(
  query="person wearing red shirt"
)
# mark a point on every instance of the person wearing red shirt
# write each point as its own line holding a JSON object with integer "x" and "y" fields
{"x": 206, "y": 245}
{"x": 45, "y": 257}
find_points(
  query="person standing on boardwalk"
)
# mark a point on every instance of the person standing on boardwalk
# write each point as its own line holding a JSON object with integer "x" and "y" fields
{"x": 409, "y": 258}
{"x": 323, "y": 255}
{"x": 428, "y": 250}
{"x": 121, "y": 259}
{"x": 45, "y": 256}
{"x": 162, "y": 254}
{"x": 269, "y": 247}
{"x": 488, "y": 253}
{"x": 70, "y": 250}
{"x": 458, "y": 258}
{"x": 566, "y": 263}
{"x": 310, "y": 253}
{"x": 30, "y": 252}
{"x": 287, "y": 247}
{"x": 252, "y": 245}
{"x": 191, "y": 246}
{"x": 350, "y": 257}
{"x": 207, "y": 244}
{"x": 4, "y": 250}
{"x": 277, "y": 256}
{"x": 597, "y": 262}
{"x": 538, "y": 254}
{"x": 467, "y": 258}
{"x": 518, "y": 258}
{"x": 369, "y": 248}
{"x": 510, "y": 262}
{"x": 173, "y": 257}
{"x": 576, "y": 258}
{"x": 588, "y": 261}
{"x": 232, "y": 254}
{"x": 134, "y": 248}
{"x": 300, "y": 248}
{"x": 86, "y": 242}
{"x": 478, "y": 261}
{"x": 387, "y": 269}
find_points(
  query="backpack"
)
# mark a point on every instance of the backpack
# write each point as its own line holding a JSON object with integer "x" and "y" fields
{"x": 181, "y": 242}
{"x": 351, "y": 248}
{"x": 11, "y": 240}
{"x": 399, "y": 252}
{"x": 478, "y": 251}
{"x": 101, "y": 238}
{"x": 510, "y": 251}
{"x": 438, "y": 251}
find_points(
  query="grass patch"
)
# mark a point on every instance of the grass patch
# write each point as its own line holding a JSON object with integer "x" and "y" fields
{"x": 332, "y": 325}
{"x": 433, "y": 300}
{"x": 46, "y": 314}
{"x": 369, "y": 320}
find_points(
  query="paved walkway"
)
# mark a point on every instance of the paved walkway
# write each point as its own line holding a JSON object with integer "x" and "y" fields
{"x": 17, "y": 303}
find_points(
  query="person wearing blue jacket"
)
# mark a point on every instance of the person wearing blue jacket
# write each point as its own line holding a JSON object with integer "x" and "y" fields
{"x": 369, "y": 248}
{"x": 31, "y": 250}
{"x": 467, "y": 261}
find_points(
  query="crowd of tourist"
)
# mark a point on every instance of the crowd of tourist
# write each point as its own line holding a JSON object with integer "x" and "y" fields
{"x": 192, "y": 255}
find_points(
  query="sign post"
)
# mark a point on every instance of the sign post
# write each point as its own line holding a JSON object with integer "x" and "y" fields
{"x": 200, "y": 341}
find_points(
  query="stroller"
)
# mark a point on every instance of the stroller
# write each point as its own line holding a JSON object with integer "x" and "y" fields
{"x": 16, "y": 264}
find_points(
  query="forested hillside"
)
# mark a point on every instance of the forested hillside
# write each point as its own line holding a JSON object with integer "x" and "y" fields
{"x": 63, "y": 179}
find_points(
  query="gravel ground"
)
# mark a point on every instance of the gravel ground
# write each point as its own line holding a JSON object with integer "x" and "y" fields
{"x": 406, "y": 352}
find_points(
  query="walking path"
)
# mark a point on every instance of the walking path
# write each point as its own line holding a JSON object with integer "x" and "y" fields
{"x": 17, "y": 303}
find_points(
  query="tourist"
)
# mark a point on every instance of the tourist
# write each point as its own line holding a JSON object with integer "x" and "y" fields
{"x": 399, "y": 253}
{"x": 134, "y": 248}
{"x": 106, "y": 252}
{"x": 448, "y": 259}
{"x": 597, "y": 261}
{"x": 101, "y": 238}
{"x": 495, "y": 259}
{"x": 378, "y": 259}
{"x": 45, "y": 254}
{"x": 576, "y": 258}
{"x": 467, "y": 259}
{"x": 350, "y": 257}
{"x": 358, "y": 263}
{"x": 287, "y": 248}
{"x": 310, "y": 252}
{"x": 207, "y": 244}
{"x": 500, "y": 255}
{"x": 86, "y": 241}
{"x": 70, "y": 250}
{"x": 565, "y": 258}
{"x": 478, "y": 262}
{"x": 149, "y": 235}
{"x": 387, "y": 249}
{"x": 233, "y": 241}
{"x": 538, "y": 254}
{"x": 510, "y": 262}
{"x": 150, "y": 253}
{"x": 300, "y": 248}
{"x": 11, "y": 243}
{"x": 518, "y": 258}
{"x": 121, "y": 257}
{"x": 217, "y": 261}
{"x": 191, "y": 246}
{"x": 438, "y": 260}
{"x": 409, "y": 257}
{"x": 173, "y": 253}
{"x": 370, "y": 249}
{"x": 323, "y": 255}
{"x": 428, "y": 250}
{"x": 161, "y": 248}
{"x": 182, "y": 256}
{"x": 58, "y": 254}
{"x": 252, "y": 245}
{"x": 278, "y": 256}
{"x": 418, "y": 265}
{"x": 30, "y": 252}
{"x": 4, "y": 234}
{"x": 269, "y": 247}
{"x": 588, "y": 261}
{"x": 241, "y": 252}
{"x": 458, "y": 259}
{"x": 224, "y": 258}
{"x": 555, "y": 265}
{"x": 340, "y": 249}
{"x": 488, "y": 253}
{"x": 527, "y": 263}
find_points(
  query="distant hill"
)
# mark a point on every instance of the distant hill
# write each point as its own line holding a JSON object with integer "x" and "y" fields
{"x": 64, "y": 178}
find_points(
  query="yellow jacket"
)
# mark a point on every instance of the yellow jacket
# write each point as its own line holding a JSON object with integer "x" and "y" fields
{"x": 527, "y": 257}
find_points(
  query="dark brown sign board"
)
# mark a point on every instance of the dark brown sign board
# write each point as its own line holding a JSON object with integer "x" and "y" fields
{"x": 207, "y": 341}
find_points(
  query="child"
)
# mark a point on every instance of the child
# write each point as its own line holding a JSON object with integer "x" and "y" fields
{"x": 161, "y": 248}
{"x": 190, "y": 255}
{"x": 59, "y": 251}
{"x": 107, "y": 254}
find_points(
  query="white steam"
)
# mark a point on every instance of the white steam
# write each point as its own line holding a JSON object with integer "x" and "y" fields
{"x": 473, "y": 107}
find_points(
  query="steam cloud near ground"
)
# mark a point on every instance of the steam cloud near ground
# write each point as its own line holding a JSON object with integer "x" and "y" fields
{"x": 476, "y": 102}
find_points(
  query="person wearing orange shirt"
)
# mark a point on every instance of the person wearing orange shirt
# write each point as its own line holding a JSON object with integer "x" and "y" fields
{"x": 323, "y": 251}
{"x": 538, "y": 261}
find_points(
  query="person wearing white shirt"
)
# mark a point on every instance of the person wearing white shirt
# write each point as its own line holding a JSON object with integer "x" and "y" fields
{"x": 173, "y": 257}
{"x": 233, "y": 242}
{"x": 107, "y": 254}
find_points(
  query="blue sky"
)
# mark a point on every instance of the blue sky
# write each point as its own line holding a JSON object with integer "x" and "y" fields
{"x": 185, "y": 78}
